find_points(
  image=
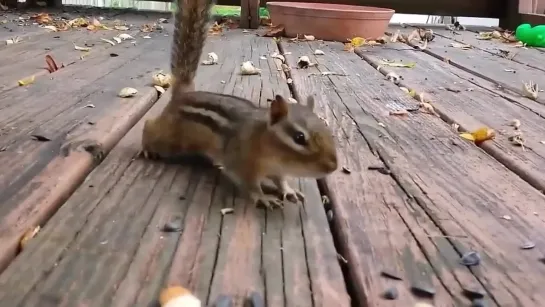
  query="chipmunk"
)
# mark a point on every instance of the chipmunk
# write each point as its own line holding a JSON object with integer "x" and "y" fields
{"x": 251, "y": 144}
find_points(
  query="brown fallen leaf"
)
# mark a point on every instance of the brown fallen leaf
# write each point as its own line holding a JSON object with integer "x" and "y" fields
{"x": 215, "y": 29}
{"x": 51, "y": 65}
{"x": 348, "y": 47}
{"x": 274, "y": 31}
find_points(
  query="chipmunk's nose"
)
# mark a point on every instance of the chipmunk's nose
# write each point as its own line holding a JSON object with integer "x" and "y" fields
{"x": 330, "y": 162}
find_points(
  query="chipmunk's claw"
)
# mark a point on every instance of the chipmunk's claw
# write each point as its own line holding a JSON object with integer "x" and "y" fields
{"x": 292, "y": 194}
{"x": 269, "y": 201}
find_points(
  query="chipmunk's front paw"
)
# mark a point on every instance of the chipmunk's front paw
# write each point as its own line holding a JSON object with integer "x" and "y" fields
{"x": 147, "y": 154}
{"x": 292, "y": 194}
{"x": 268, "y": 201}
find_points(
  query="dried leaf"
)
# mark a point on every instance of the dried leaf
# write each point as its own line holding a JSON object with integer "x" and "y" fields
{"x": 117, "y": 39}
{"x": 395, "y": 64}
{"x": 162, "y": 80}
{"x": 26, "y": 81}
{"x": 51, "y": 65}
{"x": 215, "y": 29}
{"x": 309, "y": 37}
{"x": 52, "y": 28}
{"x": 127, "y": 92}
{"x": 212, "y": 59}
{"x": 414, "y": 35}
{"x": 394, "y": 38}
{"x": 348, "y": 47}
{"x": 275, "y": 31}
{"x": 29, "y": 234}
{"x": 318, "y": 52}
{"x": 248, "y": 68}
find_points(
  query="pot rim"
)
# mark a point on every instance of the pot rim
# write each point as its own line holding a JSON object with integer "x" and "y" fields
{"x": 331, "y": 7}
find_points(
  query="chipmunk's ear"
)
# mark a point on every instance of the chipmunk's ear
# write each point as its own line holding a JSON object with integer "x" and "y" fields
{"x": 310, "y": 102}
{"x": 278, "y": 109}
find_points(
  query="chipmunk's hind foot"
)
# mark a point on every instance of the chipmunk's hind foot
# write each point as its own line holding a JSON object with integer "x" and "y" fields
{"x": 268, "y": 201}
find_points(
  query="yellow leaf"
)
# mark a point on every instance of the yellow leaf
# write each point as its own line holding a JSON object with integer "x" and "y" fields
{"x": 467, "y": 136}
{"x": 394, "y": 64}
{"x": 26, "y": 81}
{"x": 480, "y": 135}
{"x": 483, "y": 134}
{"x": 357, "y": 41}
{"x": 412, "y": 93}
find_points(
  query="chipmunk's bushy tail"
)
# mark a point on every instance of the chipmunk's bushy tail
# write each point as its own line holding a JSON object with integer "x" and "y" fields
{"x": 190, "y": 32}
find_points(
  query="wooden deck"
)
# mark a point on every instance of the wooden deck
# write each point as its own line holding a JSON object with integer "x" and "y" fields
{"x": 417, "y": 197}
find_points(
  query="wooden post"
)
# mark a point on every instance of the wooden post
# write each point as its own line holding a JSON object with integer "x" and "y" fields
{"x": 249, "y": 14}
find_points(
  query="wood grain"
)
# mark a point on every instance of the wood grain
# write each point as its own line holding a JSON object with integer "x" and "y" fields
{"x": 473, "y": 103}
{"x": 461, "y": 190}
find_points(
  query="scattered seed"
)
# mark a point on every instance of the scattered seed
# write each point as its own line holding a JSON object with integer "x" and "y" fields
{"x": 507, "y": 217}
{"x": 182, "y": 197}
{"x": 390, "y": 294}
{"x": 113, "y": 55}
{"x": 254, "y": 300}
{"x": 423, "y": 291}
{"x": 381, "y": 169}
{"x": 528, "y": 245}
{"x": 41, "y": 138}
{"x": 225, "y": 211}
{"x": 175, "y": 225}
{"x": 470, "y": 259}
{"x": 325, "y": 200}
{"x": 478, "y": 303}
{"x": 473, "y": 293}
{"x": 346, "y": 170}
{"x": 329, "y": 215}
{"x": 390, "y": 274}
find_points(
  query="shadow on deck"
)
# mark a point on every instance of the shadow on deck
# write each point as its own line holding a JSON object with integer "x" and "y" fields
{"x": 415, "y": 199}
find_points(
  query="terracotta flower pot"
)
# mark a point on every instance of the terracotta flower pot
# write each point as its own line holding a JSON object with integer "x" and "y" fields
{"x": 334, "y": 22}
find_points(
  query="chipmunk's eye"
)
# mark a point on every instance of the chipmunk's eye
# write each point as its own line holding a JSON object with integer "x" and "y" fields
{"x": 299, "y": 138}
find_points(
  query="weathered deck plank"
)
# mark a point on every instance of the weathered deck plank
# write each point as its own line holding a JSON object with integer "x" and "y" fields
{"x": 372, "y": 215}
{"x": 27, "y": 59}
{"x": 532, "y": 57}
{"x": 454, "y": 185}
{"x": 485, "y": 65}
{"x": 57, "y": 110}
{"x": 114, "y": 232}
{"x": 473, "y": 103}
